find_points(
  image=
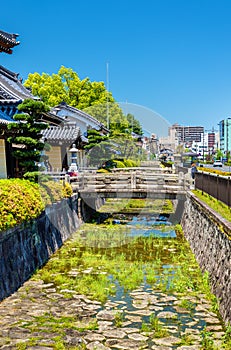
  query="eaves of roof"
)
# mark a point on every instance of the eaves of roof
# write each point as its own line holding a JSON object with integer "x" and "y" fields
{"x": 66, "y": 133}
{"x": 78, "y": 112}
{"x": 4, "y": 121}
{"x": 11, "y": 87}
{"x": 7, "y": 41}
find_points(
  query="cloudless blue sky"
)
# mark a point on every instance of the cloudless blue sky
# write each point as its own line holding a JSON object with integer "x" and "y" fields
{"x": 170, "y": 56}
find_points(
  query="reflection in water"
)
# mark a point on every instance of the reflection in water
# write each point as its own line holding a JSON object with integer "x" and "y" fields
{"x": 144, "y": 224}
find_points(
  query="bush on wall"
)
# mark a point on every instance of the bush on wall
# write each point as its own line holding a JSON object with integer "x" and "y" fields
{"x": 23, "y": 200}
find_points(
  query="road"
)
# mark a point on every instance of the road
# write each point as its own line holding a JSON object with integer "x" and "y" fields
{"x": 223, "y": 168}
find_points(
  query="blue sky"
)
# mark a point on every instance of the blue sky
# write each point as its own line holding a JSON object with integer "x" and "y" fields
{"x": 170, "y": 56}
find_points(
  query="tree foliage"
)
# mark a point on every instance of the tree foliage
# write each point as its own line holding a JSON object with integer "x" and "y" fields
{"x": 92, "y": 97}
{"x": 111, "y": 115}
{"x": 66, "y": 86}
{"x": 26, "y": 133}
{"x": 104, "y": 149}
{"x": 134, "y": 124}
{"x": 219, "y": 154}
{"x": 94, "y": 137}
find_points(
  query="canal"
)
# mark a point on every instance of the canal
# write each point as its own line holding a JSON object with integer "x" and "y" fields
{"x": 126, "y": 280}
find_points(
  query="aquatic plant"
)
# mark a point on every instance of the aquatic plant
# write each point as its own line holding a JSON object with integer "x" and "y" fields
{"x": 119, "y": 318}
{"x": 207, "y": 342}
{"x": 185, "y": 339}
{"x": 154, "y": 325}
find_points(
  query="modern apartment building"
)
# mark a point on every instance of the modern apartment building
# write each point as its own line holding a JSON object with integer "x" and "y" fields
{"x": 187, "y": 134}
{"x": 225, "y": 135}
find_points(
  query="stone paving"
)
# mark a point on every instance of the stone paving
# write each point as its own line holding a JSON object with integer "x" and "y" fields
{"x": 37, "y": 317}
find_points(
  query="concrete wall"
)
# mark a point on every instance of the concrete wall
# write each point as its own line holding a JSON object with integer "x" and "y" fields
{"x": 209, "y": 236}
{"x": 27, "y": 247}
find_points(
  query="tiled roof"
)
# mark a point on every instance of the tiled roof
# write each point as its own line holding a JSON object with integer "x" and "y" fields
{"x": 11, "y": 88}
{"x": 7, "y": 42}
{"x": 59, "y": 110}
{"x": 4, "y": 121}
{"x": 66, "y": 133}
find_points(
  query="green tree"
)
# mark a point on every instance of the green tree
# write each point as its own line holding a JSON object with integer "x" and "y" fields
{"x": 94, "y": 138}
{"x": 99, "y": 148}
{"x": 66, "y": 86}
{"x": 219, "y": 154}
{"x": 128, "y": 148}
{"x": 134, "y": 124}
{"x": 26, "y": 131}
{"x": 92, "y": 97}
{"x": 111, "y": 115}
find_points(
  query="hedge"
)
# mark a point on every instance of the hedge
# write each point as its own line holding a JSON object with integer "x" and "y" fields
{"x": 23, "y": 200}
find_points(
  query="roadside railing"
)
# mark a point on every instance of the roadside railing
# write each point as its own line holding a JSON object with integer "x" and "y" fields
{"x": 217, "y": 186}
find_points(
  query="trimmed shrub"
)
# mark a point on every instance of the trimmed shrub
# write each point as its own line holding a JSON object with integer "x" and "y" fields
{"x": 128, "y": 163}
{"x": 102, "y": 170}
{"x": 119, "y": 163}
{"x": 134, "y": 163}
{"x": 215, "y": 171}
{"x": 22, "y": 200}
{"x": 67, "y": 190}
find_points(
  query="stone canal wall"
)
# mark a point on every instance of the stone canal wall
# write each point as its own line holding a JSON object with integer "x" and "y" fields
{"x": 27, "y": 247}
{"x": 209, "y": 236}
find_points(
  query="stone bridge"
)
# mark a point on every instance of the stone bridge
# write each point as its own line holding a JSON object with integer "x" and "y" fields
{"x": 153, "y": 183}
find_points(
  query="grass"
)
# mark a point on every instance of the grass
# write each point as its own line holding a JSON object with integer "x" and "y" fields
{"x": 155, "y": 326}
{"x": 213, "y": 203}
{"x": 119, "y": 318}
{"x": 92, "y": 267}
{"x": 129, "y": 205}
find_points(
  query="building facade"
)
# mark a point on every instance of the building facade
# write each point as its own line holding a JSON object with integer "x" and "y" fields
{"x": 7, "y": 42}
{"x": 225, "y": 136}
{"x": 12, "y": 93}
{"x": 187, "y": 134}
{"x": 67, "y": 125}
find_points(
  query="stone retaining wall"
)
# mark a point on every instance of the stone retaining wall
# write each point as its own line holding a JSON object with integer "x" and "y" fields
{"x": 209, "y": 236}
{"x": 27, "y": 247}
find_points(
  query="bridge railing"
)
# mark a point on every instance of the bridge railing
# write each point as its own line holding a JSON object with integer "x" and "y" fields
{"x": 127, "y": 181}
{"x": 144, "y": 169}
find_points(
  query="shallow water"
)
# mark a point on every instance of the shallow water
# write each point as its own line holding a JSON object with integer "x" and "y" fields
{"x": 146, "y": 244}
{"x": 141, "y": 270}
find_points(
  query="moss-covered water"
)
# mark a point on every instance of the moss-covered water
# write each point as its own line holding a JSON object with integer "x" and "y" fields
{"x": 144, "y": 271}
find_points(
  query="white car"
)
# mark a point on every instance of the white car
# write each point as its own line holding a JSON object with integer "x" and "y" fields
{"x": 217, "y": 163}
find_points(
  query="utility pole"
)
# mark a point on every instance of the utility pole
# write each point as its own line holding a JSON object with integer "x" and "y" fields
{"x": 108, "y": 123}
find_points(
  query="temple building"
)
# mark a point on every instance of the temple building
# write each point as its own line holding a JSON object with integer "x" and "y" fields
{"x": 67, "y": 125}
{"x": 12, "y": 93}
{"x": 73, "y": 130}
{"x": 7, "y": 42}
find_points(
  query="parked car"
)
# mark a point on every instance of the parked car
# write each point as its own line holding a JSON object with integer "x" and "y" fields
{"x": 217, "y": 163}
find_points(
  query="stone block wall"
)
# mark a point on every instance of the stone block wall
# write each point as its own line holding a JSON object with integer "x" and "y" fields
{"x": 27, "y": 247}
{"x": 209, "y": 236}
